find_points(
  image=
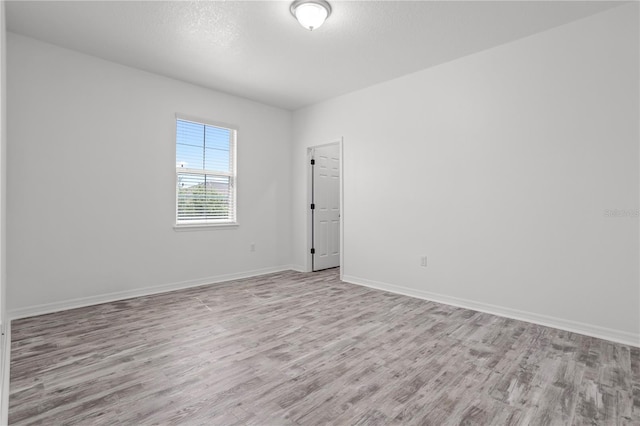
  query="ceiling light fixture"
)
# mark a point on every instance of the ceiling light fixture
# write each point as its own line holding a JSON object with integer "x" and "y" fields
{"x": 310, "y": 13}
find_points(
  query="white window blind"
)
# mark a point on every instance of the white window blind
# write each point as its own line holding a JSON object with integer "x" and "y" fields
{"x": 205, "y": 173}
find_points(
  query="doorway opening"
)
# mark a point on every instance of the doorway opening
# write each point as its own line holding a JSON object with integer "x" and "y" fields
{"x": 325, "y": 213}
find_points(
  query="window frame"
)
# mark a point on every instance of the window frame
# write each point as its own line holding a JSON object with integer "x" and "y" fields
{"x": 232, "y": 175}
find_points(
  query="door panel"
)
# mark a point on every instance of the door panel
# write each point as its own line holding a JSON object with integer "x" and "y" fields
{"x": 326, "y": 216}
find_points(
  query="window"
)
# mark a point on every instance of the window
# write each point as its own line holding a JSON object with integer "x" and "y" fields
{"x": 205, "y": 174}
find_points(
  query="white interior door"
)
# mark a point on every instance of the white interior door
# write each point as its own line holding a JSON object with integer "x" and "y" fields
{"x": 326, "y": 207}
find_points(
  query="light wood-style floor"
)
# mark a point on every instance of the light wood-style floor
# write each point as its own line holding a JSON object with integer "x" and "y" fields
{"x": 293, "y": 348}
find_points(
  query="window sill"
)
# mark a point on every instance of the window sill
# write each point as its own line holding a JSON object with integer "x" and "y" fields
{"x": 205, "y": 226}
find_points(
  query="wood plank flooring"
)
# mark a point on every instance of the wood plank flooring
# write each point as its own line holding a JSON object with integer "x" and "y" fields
{"x": 292, "y": 348}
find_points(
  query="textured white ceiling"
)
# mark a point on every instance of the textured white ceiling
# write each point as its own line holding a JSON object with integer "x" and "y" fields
{"x": 258, "y": 51}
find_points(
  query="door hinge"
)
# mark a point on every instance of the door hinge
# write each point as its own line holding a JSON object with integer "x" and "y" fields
{"x": 313, "y": 206}
{"x": 313, "y": 251}
{"x": 313, "y": 161}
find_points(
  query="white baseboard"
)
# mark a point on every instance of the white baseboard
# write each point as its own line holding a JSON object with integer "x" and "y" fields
{"x": 617, "y": 336}
{"x": 297, "y": 268}
{"x": 5, "y": 359}
{"x": 82, "y": 302}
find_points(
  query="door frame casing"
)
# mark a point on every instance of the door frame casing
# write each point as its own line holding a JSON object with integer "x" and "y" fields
{"x": 309, "y": 257}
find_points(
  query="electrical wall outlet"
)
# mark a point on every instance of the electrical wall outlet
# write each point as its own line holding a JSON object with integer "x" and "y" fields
{"x": 252, "y": 247}
{"x": 423, "y": 261}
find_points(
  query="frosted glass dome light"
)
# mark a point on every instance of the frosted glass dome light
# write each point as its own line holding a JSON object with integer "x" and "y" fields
{"x": 310, "y": 13}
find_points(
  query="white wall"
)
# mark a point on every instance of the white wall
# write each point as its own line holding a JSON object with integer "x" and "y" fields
{"x": 3, "y": 162}
{"x": 499, "y": 167}
{"x": 91, "y": 182}
{"x": 5, "y": 338}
